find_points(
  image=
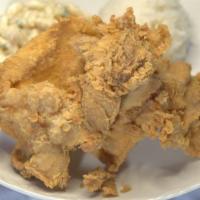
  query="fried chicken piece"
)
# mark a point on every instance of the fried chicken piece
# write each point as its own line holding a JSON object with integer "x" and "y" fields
{"x": 52, "y": 88}
{"x": 172, "y": 115}
{"x": 98, "y": 87}
{"x": 162, "y": 109}
{"x": 125, "y": 133}
{"x": 40, "y": 102}
{"x": 120, "y": 69}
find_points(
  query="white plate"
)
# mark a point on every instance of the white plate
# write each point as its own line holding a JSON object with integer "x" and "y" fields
{"x": 152, "y": 172}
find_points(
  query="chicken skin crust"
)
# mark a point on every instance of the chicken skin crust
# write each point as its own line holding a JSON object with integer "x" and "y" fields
{"x": 98, "y": 87}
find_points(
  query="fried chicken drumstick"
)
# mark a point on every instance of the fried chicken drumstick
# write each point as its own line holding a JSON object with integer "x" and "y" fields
{"x": 98, "y": 87}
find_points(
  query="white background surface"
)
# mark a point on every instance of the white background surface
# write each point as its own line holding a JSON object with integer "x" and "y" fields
{"x": 154, "y": 172}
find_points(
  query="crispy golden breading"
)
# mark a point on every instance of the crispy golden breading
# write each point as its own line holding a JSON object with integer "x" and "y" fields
{"x": 100, "y": 88}
{"x": 40, "y": 102}
{"x": 97, "y": 179}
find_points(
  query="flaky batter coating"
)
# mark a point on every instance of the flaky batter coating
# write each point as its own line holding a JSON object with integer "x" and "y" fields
{"x": 41, "y": 103}
{"x": 100, "y": 88}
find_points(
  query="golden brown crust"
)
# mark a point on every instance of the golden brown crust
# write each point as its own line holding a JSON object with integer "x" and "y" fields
{"x": 100, "y": 180}
{"x": 98, "y": 87}
{"x": 40, "y": 102}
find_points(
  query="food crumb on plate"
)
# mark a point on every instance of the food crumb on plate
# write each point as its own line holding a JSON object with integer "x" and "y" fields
{"x": 125, "y": 188}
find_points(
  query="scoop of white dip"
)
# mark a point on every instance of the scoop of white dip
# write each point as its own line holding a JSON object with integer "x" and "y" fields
{"x": 154, "y": 12}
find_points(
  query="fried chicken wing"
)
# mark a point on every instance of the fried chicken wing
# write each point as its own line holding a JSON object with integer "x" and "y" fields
{"x": 98, "y": 87}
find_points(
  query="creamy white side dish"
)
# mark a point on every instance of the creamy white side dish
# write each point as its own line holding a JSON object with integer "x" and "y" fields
{"x": 154, "y": 12}
{"x": 24, "y": 20}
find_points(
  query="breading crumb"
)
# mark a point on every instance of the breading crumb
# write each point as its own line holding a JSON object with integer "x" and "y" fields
{"x": 125, "y": 188}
